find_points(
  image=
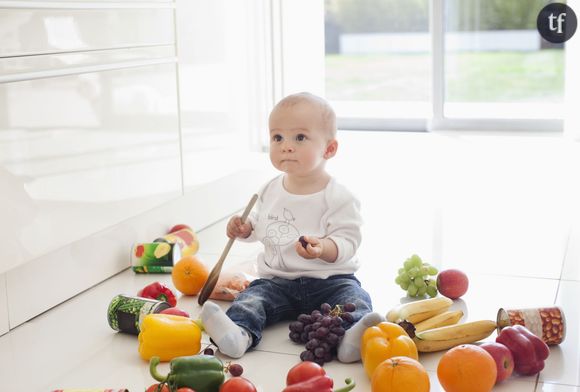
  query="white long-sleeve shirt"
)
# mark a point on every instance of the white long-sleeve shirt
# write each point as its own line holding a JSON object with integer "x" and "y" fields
{"x": 280, "y": 218}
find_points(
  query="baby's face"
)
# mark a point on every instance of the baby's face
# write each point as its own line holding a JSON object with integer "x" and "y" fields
{"x": 298, "y": 139}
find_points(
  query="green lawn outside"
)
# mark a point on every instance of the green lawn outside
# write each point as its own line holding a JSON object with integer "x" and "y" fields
{"x": 470, "y": 77}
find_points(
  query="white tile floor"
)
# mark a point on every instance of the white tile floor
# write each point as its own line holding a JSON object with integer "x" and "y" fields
{"x": 504, "y": 209}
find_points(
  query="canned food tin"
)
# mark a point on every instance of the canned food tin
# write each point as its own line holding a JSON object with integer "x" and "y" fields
{"x": 126, "y": 313}
{"x": 154, "y": 257}
{"x": 547, "y": 323}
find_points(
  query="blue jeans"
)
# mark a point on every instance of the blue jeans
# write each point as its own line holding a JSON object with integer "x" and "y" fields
{"x": 267, "y": 301}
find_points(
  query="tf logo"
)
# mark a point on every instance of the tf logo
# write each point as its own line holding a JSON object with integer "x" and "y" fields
{"x": 557, "y": 23}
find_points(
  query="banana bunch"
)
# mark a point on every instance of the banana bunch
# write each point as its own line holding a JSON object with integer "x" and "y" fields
{"x": 417, "y": 311}
{"x": 435, "y": 327}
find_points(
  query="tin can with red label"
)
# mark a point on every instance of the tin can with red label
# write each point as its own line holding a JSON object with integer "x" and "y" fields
{"x": 547, "y": 323}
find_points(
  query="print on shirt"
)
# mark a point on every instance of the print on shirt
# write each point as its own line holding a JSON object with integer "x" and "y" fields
{"x": 279, "y": 233}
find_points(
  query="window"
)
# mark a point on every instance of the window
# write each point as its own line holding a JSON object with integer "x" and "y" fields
{"x": 442, "y": 64}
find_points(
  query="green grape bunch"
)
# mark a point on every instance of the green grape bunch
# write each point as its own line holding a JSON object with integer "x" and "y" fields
{"x": 415, "y": 279}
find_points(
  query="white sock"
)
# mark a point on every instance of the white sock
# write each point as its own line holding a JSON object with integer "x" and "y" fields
{"x": 231, "y": 339}
{"x": 349, "y": 347}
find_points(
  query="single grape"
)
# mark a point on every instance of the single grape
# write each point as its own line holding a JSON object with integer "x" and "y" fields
{"x": 319, "y": 352}
{"x": 419, "y": 283}
{"x": 296, "y": 326}
{"x": 328, "y": 357}
{"x": 307, "y": 355}
{"x": 326, "y": 321}
{"x": 413, "y": 272}
{"x": 316, "y": 313}
{"x": 407, "y": 265}
{"x": 398, "y": 279}
{"x": 347, "y": 317}
{"x": 332, "y": 338}
{"x": 312, "y": 344}
{"x": 295, "y": 337}
{"x": 325, "y": 308}
{"x": 308, "y": 328}
{"x": 322, "y": 332}
{"x": 326, "y": 346}
{"x": 349, "y": 307}
{"x": 337, "y": 321}
{"x": 416, "y": 261}
{"x": 405, "y": 285}
{"x": 412, "y": 290}
{"x": 316, "y": 325}
{"x": 208, "y": 351}
{"x": 339, "y": 331}
{"x": 236, "y": 369}
{"x": 432, "y": 270}
{"x": 304, "y": 337}
{"x": 305, "y": 318}
{"x": 404, "y": 278}
{"x": 312, "y": 334}
{"x": 421, "y": 291}
{"x": 431, "y": 291}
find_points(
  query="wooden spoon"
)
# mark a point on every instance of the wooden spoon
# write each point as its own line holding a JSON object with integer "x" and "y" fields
{"x": 215, "y": 272}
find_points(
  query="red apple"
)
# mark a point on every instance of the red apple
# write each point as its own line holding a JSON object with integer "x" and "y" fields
{"x": 452, "y": 283}
{"x": 504, "y": 360}
{"x": 175, "y": 311}
{"x": 177, "y": 228}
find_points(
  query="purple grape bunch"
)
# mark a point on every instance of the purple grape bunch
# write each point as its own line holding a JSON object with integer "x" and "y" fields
{"x": 321, "y": 331}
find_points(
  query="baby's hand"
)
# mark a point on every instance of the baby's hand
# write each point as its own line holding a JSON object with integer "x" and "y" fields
{"x": 313, "y": 248}
{"x": 236, "y": 229}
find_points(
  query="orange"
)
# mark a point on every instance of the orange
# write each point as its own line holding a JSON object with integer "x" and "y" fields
{"x": 189, "y": 275}
{"x": 467, "y": 368}
{"x": 400, "y": 374}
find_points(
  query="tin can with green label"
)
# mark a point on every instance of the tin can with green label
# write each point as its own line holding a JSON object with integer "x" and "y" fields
{"x": 125, "y": 313}
{"x": 155, "y": 257}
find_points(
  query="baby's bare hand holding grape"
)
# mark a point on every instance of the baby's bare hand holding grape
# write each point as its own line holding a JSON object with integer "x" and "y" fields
{"x": 236, "y": 228}
{"x": 309, "y": 247}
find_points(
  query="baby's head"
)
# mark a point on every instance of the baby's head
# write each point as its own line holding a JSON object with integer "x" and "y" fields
{"x": 302, "y": 134}
{"x": 307, "y": 107}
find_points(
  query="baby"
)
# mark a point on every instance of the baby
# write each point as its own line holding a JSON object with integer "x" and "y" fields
{"x": 309, "y": 225}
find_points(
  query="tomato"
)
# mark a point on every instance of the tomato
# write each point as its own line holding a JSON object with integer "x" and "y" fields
{"x": 237, "y": 384}
{"x": 153, "y": 388}
{"x": 175, "y": 311}
{"x": 304, "y": 371}
{"x": 178, "y": 227}
{"x": 165, "y": 388}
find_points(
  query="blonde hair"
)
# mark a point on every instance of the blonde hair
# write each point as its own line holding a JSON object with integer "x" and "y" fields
{"x": 326, "y": 111}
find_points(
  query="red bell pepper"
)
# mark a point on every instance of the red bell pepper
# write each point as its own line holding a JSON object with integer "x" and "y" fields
{"x": 159, "y": 292}
{"x": 529, "y": 351}
{"x": 311, "y": 377}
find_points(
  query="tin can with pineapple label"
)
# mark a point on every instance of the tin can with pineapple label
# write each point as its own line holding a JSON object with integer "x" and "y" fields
{"x": 154, "y": 257}
{"x": 547, "y": 323}
{"x": 126, "y": 313}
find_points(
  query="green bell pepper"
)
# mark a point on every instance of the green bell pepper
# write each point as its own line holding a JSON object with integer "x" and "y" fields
{"x": 203, "y": 373}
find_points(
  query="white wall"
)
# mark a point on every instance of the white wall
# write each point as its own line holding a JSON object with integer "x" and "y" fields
{"x": 95, "y": 153}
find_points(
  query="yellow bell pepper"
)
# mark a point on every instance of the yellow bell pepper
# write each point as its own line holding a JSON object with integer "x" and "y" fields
{"x": 384, "y": 341}
{"x": 168, "y": 336}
